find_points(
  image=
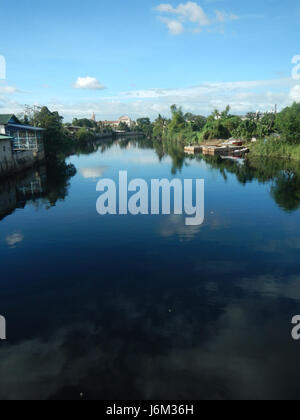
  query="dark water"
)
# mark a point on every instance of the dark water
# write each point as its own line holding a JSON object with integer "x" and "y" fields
{"x": 125, "y": 307}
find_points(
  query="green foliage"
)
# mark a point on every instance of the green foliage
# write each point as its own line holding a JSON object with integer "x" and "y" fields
{"x": 246, "y": 130}
{"x": 160, "y": 127}
{"x": 178, "y": 122}
{"x": 84, "y": 136}
{"x": 288, "y": 123}
{"x": 277, "y": 148}
{"x": 215, "y": 129}
{"x": 144, "y": 126}
{"x": 197, "y": 121}
{"x": 123, "y": 127}
{"x": 232, "y": 123}
{"x": 54, "y": 138}
{"x": 286, "y": 190}
{"x": 84, "y": 122}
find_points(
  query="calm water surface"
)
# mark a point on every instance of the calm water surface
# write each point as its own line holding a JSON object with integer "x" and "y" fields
{"x": 125, "y": 307}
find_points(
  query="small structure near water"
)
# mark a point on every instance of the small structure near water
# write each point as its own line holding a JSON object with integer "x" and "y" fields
{"x": 193, "y": 149}
{"x": 227, "y": 149}
{"x": 21, "y": 146}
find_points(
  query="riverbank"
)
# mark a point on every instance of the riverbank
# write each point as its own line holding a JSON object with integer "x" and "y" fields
{"x": 19, "y": 162}
{"x": 266, "y": 148}
{"x": 275, "y": 149}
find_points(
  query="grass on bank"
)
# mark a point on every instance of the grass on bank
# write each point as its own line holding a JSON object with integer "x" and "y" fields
{"x": 276, "y": 149}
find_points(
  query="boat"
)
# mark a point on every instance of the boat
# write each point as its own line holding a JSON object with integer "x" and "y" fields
{"x": 241, "y": 152}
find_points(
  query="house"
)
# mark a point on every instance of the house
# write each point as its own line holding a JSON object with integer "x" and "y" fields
{"x": 24, "y": 137}
{"x": 21, "y": 146}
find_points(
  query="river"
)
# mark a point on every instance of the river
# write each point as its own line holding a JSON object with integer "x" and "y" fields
{"x": 144, "y": 307}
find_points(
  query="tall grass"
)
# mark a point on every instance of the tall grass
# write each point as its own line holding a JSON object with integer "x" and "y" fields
{"x": 275, "y": 148}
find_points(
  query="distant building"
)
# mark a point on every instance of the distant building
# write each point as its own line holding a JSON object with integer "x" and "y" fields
{"x": 20, "y": 145}
{"x": 127, "y": 120}
{"x": 115, "y": 124}
{"x": 93, "y": 118}
{"x": 73, "y": 129}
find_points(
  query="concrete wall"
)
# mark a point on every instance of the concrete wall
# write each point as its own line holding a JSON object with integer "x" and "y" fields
{"x": 5, "y": 150}
{"x": 19, "y": 161}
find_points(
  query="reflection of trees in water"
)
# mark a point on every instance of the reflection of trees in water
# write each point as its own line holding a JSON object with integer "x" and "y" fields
{"x": 58, "y": 182}
{"x": 286, "y": 191}
{"x": 283, "y": 174}
{"x": 40, "y": 187}
{"x": 169, "y": 148}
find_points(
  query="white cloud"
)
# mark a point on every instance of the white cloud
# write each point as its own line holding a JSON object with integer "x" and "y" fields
{"x": 242, "y": 96}
{"x": 224, "y": 17}
{"x": 202, "y": 99}
{"x": 7, "y": 90}
{"x": 93, "y": 173}
{"x": 295, "y": 93}
{"x": 190, "y": 12}
{"x": 88, "y": 83}
{"x": 175, "y": 27}
{"x": 208, "y": 89}
{"x": 14, "y": 239}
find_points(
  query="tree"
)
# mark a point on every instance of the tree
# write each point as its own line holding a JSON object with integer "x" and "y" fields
{"x": 83, "y": 136}
{"x": 159, "y": 127}
{"x": 288, "y": 123}
{"x": 123, "y": 127}
{"x": 178, "y": 122}
{"x": 246, "y": 130}
{"x": 144, "y": 126}
{"x": 225, "y": 113}
{"x": 54, "y": 138}
{"x": 216, "y": 126}
{"x": 84, "y": 122}
{"x": 232, "y": 123}
{"x": 253, "y": 116}
{"x": 198, "y": 123}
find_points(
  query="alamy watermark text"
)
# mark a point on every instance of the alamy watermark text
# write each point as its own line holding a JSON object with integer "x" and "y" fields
{"x": 296, "y": 329}
{"x": 2, "y": 67}
{"x": 186, "y": 199}
{"x": 2, "y": 328}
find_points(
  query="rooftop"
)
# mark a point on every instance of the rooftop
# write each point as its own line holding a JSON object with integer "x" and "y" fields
{"x": 5, "y": 118}
{"x": 12, "y": 121}
{"x": 5, "y": 137}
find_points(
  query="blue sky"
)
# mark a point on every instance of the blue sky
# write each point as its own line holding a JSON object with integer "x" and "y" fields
{"x": 139, "y": 57}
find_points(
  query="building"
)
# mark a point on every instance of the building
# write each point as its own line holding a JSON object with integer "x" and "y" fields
{"x": 115, "y": 124}
{"x": 73, "y": 129}
{"x": 20, "y": 145}
{"x": 24, "y": 137}
{"x": 93, "y": 118}
{"x": 5, "y": 147}
{"x": 127, "y": 120}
